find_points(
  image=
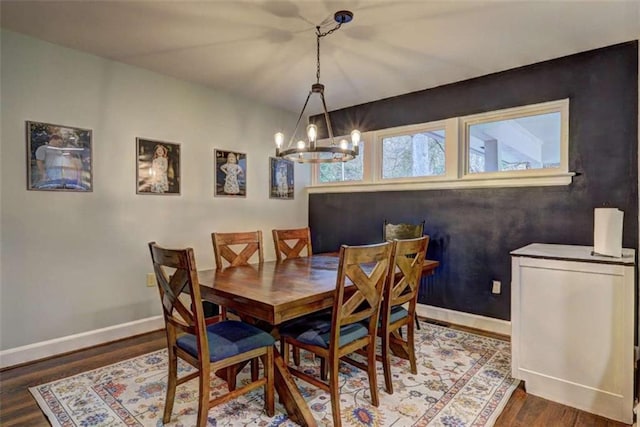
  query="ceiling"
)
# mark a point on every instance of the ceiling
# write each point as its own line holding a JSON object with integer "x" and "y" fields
{"x": 266, "y": 50}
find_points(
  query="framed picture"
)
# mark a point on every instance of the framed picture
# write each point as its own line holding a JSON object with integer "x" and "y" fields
{"x": 58, "y": 158}
{"x": 158, "y": 167}
{"x": 230, "y": 173}
{"x": 281, "y": 179}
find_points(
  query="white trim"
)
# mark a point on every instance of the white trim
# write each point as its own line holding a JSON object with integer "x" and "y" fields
{"x": 529, "y": 181}
{"x": 43, "y": 349}
{"x": 461, "y": 318}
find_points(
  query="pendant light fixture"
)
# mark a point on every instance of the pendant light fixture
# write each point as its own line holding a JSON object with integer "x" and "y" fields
{"x": 310, "y": 151}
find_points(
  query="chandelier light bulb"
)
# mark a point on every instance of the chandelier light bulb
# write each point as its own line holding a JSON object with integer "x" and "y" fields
{"x": 279, "y": 137}
{"x": 344, "y": 144}
{"x": 355, "y": 137}
{"x": 312, "y": 132}
{"x": 301, "y": 145}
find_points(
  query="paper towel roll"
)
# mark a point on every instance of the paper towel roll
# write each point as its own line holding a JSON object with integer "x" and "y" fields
{"x": 607, "y": 231}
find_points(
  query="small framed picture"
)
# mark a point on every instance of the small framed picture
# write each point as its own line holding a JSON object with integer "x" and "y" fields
{"x": 230, "y": 173}
{"x": 158, "y": 167}
{"x": 281, "y": 179}
{"x": 58, "y": 158}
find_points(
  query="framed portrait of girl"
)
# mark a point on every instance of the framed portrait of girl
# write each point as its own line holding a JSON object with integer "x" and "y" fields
{"x": 230, "y": 173}
{"x": 281, "y": 180}
{"x": 158, "y": 167}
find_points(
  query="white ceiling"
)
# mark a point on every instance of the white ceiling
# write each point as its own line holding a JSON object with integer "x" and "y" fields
{"x": 266, "y": 49}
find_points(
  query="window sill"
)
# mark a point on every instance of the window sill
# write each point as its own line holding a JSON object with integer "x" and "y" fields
{"x": 529, "y": 181}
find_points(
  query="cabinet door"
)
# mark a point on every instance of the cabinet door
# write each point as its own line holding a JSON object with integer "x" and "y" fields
{"x": 573, "y": 333}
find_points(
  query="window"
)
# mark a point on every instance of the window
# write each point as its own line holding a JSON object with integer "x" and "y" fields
{"x": 343, "y": 171}
{"x": 517, "y": 141}
{"x": 413, "y": 155}
{"x": 521, "y": 146}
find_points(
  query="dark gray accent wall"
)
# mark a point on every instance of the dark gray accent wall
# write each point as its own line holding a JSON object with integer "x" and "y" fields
{"x": 473, "y": 230}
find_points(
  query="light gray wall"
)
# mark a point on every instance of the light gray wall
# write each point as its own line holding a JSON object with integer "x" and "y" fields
{"x": 75, "y": 262}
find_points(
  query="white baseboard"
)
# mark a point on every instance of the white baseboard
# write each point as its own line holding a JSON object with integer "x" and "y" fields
{"x": 461, "y": 318}
{"x": 41, "y": 350}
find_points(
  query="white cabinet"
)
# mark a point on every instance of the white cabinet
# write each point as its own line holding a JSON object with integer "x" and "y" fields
{"x": 572, "y": 327}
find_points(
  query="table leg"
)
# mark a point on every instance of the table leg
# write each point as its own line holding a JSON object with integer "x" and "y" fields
{"x": 289, "y": 394}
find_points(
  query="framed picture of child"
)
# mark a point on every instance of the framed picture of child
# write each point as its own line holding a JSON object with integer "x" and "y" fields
{"x": 281, "y": 179}
{"x": 230, "y": 173}
{"x": 158, "y": 167}
{"x": 58, "y": 158}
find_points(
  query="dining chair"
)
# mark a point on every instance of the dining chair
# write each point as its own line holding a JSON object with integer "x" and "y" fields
{"x": 292, "y": 243}
{"x": 351, "y": 325}
{"x": 234, "y": 249}
{"x": 402, "y": 231}
{"x": 401, "y": 289}
{"x": 215, "y": 347}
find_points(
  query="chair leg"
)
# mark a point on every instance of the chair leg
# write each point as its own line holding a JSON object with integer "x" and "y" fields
{"x": 411, "y": 350}
{"x": 417, "y": 322}
{"x": 371, "y": 371}
{"x": 386, "y": 363}
{"x": 203, "y": 394}
{"x": 232, "y": 373}
{"x": 254, "y": 369}
{"x": 324, "y": 369}
{"x": 268, "y": 362}
{"x": 296, "y": 356}
{"x": 334, "y": 389}
{"x": 172, "y": 381}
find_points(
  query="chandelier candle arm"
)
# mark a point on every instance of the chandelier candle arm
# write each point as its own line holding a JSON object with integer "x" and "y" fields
{"x": 310, "y": 151}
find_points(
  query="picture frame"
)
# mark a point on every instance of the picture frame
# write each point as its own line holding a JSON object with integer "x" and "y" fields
{"x": 59, "y": 157}
{"x": 230, "y": 174}
{"x": 281, "y": 179}
{"x": 157, "y": 167}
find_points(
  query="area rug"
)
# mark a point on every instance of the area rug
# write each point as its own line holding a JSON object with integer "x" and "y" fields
{"x": 463, "y": 380}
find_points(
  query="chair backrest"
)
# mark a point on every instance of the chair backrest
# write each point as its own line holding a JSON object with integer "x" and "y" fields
{"x": 401, "y": 231}
{"x": 291, "y": 243}
{"x": 177, "y": 280}
{"x": 245, "y": 243}
{"x": 405, "y": 274}
{"x": 367, "y": 267}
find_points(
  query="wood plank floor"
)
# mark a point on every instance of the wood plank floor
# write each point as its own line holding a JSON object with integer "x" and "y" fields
{"x": 18, "y": 408}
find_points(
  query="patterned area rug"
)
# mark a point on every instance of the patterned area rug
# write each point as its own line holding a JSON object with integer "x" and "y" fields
{"x": 463, "y": 380}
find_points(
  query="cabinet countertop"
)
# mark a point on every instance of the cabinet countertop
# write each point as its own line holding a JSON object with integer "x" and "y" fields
{"x": 573, "y": 253}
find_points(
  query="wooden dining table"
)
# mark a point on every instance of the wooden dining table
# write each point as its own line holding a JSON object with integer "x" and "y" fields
{"x": 273, "y": 292}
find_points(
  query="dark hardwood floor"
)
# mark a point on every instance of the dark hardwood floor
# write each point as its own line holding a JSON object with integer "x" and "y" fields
{"x": 18, "y": 408}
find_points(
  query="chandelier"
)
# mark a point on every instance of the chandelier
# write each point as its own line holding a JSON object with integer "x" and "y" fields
{"x": 310, "y": 151}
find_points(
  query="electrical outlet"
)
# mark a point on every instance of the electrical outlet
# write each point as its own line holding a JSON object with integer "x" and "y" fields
{"x": 151, "y": 280}
{"x": 496, "y": 287}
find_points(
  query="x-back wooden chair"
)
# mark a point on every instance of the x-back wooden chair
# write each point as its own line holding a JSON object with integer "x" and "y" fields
{"x": 234, "y": 249}
{"x": 401, "y": 288}
{"x": 218, "y": 346}
{"x": 402, "y": 231}
{"x": 352, "y": 325}
{"x": 292, "y": 243}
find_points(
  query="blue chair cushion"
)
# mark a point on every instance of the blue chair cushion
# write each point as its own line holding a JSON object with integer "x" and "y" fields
{"x": 227, "y": 339}
{"x": 398, "y": 312}
{"x": 315, "y": 329}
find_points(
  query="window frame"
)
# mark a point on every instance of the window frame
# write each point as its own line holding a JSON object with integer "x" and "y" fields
{"x": 449, "y": 126}
{"x": 560, "y": 106}
{"x": 366, "y": 141}
{"x": 456, "y": 158}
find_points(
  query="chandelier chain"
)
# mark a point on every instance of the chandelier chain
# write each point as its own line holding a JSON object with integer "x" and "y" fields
{"x": 319, "y": 35}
